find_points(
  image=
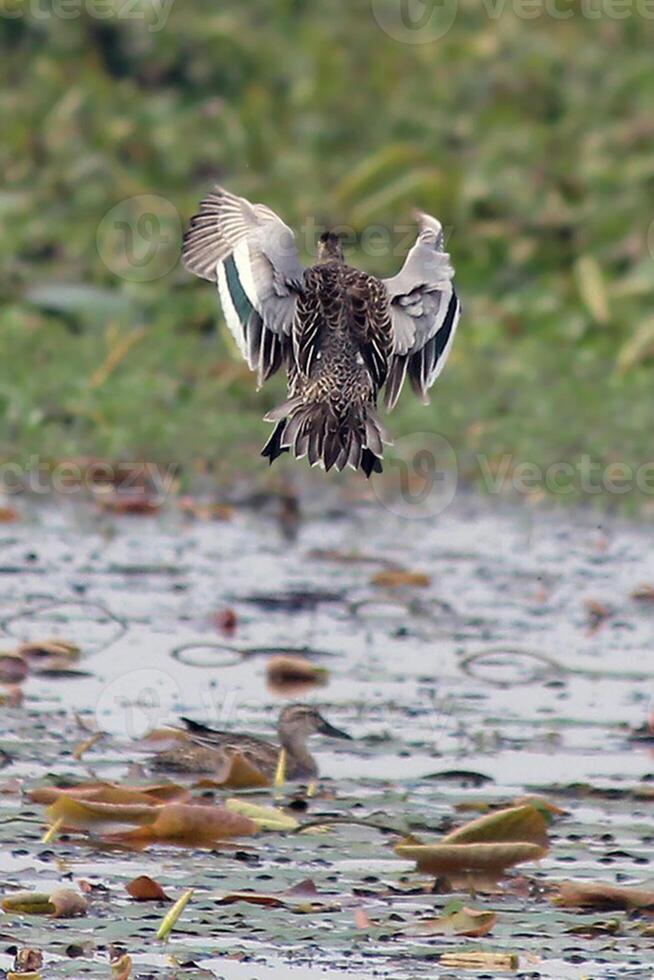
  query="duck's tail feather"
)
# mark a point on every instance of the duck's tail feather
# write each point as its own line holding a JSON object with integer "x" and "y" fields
{"x": 327, "y": 439}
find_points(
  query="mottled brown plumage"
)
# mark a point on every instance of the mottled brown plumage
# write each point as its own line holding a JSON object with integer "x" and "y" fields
{"x": 206, "y": 749}
{"x": 341, "y": 334}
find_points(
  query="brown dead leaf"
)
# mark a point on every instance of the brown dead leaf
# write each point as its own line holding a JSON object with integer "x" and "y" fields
{"x": 62, "y": 903}
{"x": 463, "y": 922}
{"x": 96, "y": 792}
{"x": 597, "y": 614}
{"x": 362, "y": 919}
{"x": 186, "y": 823}
{"x": 11, "y": 696}
{"x": 28, "y": 960}
{"x": 13, "y": 668}
{"x": 226, "y": 621}
{"x": 50, "y": 655}
{"x": 145, "y": 889}
{"x": 121, "y": 967}
{"x": 87, "y": 814}
{"x": 235, "y": 771}
{"x": 82, "y": 747}
{"x": 205, "y": 511}
{"x": 525, "y": 824}
{"x": 284, "y": 669}
{"x": 540, "y": 803}
{"x": 68, "y": 903}
{"x": 489, "y": 860}
{"x": 601, "y": 896}
{"x": 35, "y": 651}
{"x": 252, "y": 898}
{"x": 140, "y": 504}
{"x": 481, "y": 961}
{"x": 644, "y": 593}
{"x": 395, "y": 578}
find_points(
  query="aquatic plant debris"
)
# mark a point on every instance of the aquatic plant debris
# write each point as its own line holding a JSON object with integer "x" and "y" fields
{"x": 520, "y": 753}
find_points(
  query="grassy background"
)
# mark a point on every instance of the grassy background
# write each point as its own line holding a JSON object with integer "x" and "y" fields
{"x": 531, "y": 139}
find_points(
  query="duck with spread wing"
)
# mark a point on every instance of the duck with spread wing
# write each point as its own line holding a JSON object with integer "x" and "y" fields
{"x": 340, "y": 334}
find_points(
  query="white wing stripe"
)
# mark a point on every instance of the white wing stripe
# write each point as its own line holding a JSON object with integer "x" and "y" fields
{"x": 442, "y": 360}
{"x": 231, "y": 316}
{"x": 242, "y": 260}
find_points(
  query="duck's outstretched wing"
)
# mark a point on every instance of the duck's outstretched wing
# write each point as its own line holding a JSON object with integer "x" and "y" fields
{"x": 251, "y": 254}
{"x": 425, "y": 311}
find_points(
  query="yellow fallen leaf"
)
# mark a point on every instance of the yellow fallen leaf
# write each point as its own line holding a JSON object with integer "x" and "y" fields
{"x": 267, "y": 817}
{"x": 280, "y": 771}
{"x": 488, "y": 859}
{"x": 463, "y": 922}
{"x": 525, "y": 824}
{"x": 170, "y": 919}
{"x": 52, "y": 831}
{"x": 602, "y": 896}
{"x": 395, "y": 578}
{"x": 62, "y": 903}
{"x": 481, "y": 961}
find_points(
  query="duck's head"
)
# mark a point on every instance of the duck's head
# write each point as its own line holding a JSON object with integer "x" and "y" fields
{"x": 330, "y": 247}
{"x": 298, "y": 721}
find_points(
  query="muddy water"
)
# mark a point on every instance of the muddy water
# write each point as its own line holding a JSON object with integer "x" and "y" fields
{"x": 498, "y": 667}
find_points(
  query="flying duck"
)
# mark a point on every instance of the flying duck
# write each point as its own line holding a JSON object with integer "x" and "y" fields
{"x": 340, "y": 334}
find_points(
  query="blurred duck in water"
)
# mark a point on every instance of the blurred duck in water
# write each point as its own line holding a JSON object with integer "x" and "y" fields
{"x": 206, "y": 749}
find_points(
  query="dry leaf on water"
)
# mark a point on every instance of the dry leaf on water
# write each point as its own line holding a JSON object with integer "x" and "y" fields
{"x": 303, "y": 897}
{"x": 519, "y": 824}
{"x": 184, "y": 822}
{"x": 193, "y": 825}
{"x": 121, "y": 967}
{"x": 601, "y": 896}
{"x": 87, "y": 814}
{"x": 226, "y": 621}
{"x": 98, "y": 792}
{"x": 267, "y": 817}
{"x": 362, "y": 919}
{"x": 83, "y": 747}
{"x": 235, "y": 771}
{"x": 13, "y": 668}
{"x": 62, "y": 903}
{"x": 28, "y": 960}
{"x": 145, "y": 889}
{"x": 644, "y": 593}
{"x": 488, "y": 860}
{"x": 481, "y": 961}
{"x": 11, "y": 696}
{"x": 286, "y": 669}
{"x": 461, "y": 922}
{"x": 137, "y": 504}
{"x": 395, "y": 578}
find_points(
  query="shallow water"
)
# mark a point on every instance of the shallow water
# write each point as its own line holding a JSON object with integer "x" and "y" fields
{"x": 496, "y": 667}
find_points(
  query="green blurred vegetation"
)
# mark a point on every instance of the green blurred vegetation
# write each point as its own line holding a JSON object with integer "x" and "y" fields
{"x": 530, "y": 139}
